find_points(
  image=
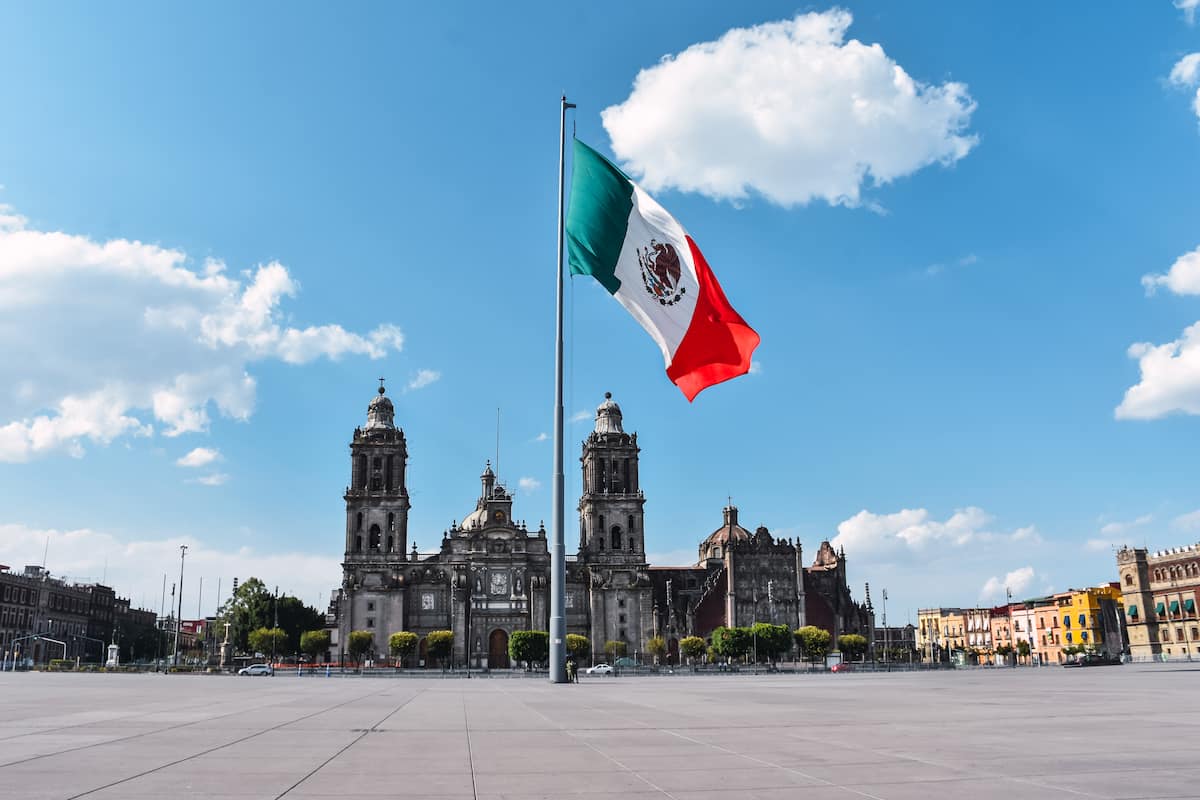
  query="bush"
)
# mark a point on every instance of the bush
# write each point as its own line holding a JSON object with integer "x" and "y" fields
{"x": 62, "y": 664}
{"x": 268, "y": 640}
{"x": 813, "y": 642}
{"x": 403, "y": 644}
{"x": 732, "y": 642}
{"x": 615, "y": 649}
{"x": 314, "y": 643}
{"x": 656, "y": 647}
{"x": 852, "y": 646}
{"x": 580, "y": 647}
{"x": 692, "y": 647}
{"x": 439, "y": 644}
{"x": 532, "y": 647}
{"x": 359, "y": 643}
{"x": 773, "y": 640}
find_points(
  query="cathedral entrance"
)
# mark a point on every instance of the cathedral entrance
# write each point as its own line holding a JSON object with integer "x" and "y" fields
{"x": 498, "y": 650}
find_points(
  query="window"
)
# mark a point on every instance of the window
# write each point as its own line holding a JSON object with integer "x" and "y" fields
{"x": 632, "y": 545}
{"x": 1195, "y": 634}
{"x": 1083, "y": 637}
{"x": 370, "y": 622}
{"x": 1069, "y": 640}
{"x": 391, "y": 522}
{"x": 623, "y": 637}
{"x": 1179, "y": 635}
{"x": 375, "y": 537}
{"x": 1166, "y": 634}
{"x": 371, "y": 606}
{"x": 391, "y": 544}
{"x": 630, "y": 523}
{"x": 616, "y": 537}
{"x": 716, "y": 551}
{"x": 621, "y": 603}
{"x": 1082, "y": 620}
{"x": 1128, "y": 579}
{"x": 621, "y": 619}
{"x": 358, "y": 544}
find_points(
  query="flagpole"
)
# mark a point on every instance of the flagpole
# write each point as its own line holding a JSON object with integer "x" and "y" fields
{"x": 558, "y": 552}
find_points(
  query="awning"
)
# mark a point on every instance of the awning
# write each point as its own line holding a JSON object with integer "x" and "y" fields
{"x": 1190, "y": 606}
{"x": 1160, "y": 609}
{"x": 1133, "y": 611}
{"x": 1174, "y": 606}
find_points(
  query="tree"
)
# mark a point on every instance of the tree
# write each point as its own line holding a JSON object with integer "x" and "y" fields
{"x": 359, "y": 644}
{"x": 532, "y": 647}
{"x": 402, "y": 645}
{"x": 1023, "y": 648}
{"x": 314, "y": 643}
{"x": 614, "y": 649}
{"x": 692, "y": 647}
{"x": 255, "y": 606}
{"x": 852, "y": 645}
{"x": 267, "y": 640}
{"x": 579, "y": 646}
{"x": 732, "y": 643}
{"x": 813, "y": 642}
{"x": 656, "y": 647}
{"x": 773, "y": 640}
{"x": 439, "y": 644}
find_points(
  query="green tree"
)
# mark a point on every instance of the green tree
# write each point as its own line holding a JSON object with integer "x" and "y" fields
{"x": 615, "y": 649}
{"x": 295, "y": 618}
{"x": 403, "y": 644}
{"x": 268, "y": 641}
{"x": 852, "y": 645}
{"x": 439, "y": 645}
{"x": 579, "y": 646}
{"x": 532, "y": 647}
{"x": 314, "y": 643}
{"x": 359, "y": 644}
{"x": 813, "y": 642}
{"x": 255, "y": 606}
{"x": 732, "y": 643}
{"x": 656, "y": 647}
{"x": 692, "y": 647}
{"x": 773, "y": 640}
{"x": 1023, "y": 648}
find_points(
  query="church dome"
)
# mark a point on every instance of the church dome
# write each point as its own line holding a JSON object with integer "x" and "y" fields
{"x": 381, "y": 413}
{"x": 731, "y": 531}
{"x": 608, "y": 416}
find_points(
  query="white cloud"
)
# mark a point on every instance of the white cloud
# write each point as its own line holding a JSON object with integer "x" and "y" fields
{"x": 1016, "y": 581}
{"x": 1189, "y": 9}
{"x": 1186, "y": 73}
{"x": 934, "y": 270}
{"x": 673, "y": 558}
{"x": 790, "y": 110}
{"x": 1182, "y": 278}
{"x": 215, "y": 479}
{"x": 423, "y": 378}
{"x": 1170, "y": 378}
{"x": 199, "y": 457}
{"x": 135, "y": 567}
{"x": 541, "y": 437}
{"x": 580, "y": 416}
{"x": 1118, "y": 527}
{"x": 1187, "y": 522}
{"x": 121, "y": 337}
{"x": 529, "y": 484}
{"x": 913, "y": 530}
{"x": 755, "y": 367}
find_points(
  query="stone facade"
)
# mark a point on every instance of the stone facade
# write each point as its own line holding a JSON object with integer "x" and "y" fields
{"x": 490, "y": 577}
{"x": 1161, "y": 593}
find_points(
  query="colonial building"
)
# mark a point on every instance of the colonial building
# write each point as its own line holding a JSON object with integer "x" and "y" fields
{"x": 490, "y": 576}
{"x": 1161, "y": 592}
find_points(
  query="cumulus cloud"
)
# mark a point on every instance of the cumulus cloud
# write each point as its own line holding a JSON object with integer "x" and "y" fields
{"x": 790, "y": 110}
{"x": 1170, "y": 378}
{"x": 529, "y": 484}
{"x": 1118, "y": 527}
{"x": 914, "y": 530}
{"x": 122, "y": 338}
{"x": 1186, "y": 74}
{"x": 1182, "y": 278}
{"x": 1187, "y": 522}
{"x": 1189, "y": 9}
{"x": 215, "y": 479}
{"x": 199, "y": 457}
{"x": 1017, "y": 581}
{"x": 423, "y": 378}
{"x": 135, "y": 566}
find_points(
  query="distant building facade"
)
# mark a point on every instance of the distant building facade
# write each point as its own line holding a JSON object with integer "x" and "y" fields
{"x": 490, "y": 576}
{"x": 1161, "y": 593}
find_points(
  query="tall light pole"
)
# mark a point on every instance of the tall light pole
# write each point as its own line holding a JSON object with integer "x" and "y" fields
{"x": 885, "y": 628}
{"x": 179, "y": 617}
{"x": 274, "y": 628}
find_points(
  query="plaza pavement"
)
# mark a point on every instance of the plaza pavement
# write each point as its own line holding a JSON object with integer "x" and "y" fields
{"x": 1110, "y": 732}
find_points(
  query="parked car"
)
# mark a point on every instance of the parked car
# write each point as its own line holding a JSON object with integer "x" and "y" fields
{"x": 600, "y": 669}
{"x": 842, "y": 667}
{"x": 1093, "y": 660}
{"x": 256, "y": 669}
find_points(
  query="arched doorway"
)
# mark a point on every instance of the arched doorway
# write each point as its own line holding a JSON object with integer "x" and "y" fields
{"x": 422, "y": 654}
{"x": 498, "y": 650}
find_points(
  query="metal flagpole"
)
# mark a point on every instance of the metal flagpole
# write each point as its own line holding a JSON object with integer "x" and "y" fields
{"x": 558, "y": 552}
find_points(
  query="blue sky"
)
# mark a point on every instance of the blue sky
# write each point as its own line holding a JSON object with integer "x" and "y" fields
{"x": 944, "y": 351}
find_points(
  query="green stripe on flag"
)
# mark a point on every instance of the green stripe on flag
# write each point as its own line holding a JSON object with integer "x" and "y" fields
{"x": 601, "y": 200}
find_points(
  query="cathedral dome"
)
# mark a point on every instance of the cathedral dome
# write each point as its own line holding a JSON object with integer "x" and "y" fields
{"x": 608, "y": 416}
{"x": 731, "y": 531}
{"x": 381, "y": 413}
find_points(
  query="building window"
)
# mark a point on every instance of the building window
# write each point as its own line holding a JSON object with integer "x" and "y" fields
{"x": 621, "y": 619}
{"x": 1128, "y": 580}
{"x": 391, "y": 522}
{"x": 371, "y": 606}
{"x": 375, "y": 537}
{"x": 1195, "y": 634}
{"x": 358, "y": 544}
{"x": 1068, "y": 637}
{"x": 716, "y": 551}
{"x": 623, "y": 637}
{"x": 370, "y": 622}
{"x": 621, "y": 603}
{"x": 358, "y": 522}
{"x": 616, "y": 537}
{"x": 1166, "y": 634}
{"x": 1082, "y": 620}
{"x": 391, "y": 544}
{"x": 1179, "y": 635}
{"x": 632, "y": 545}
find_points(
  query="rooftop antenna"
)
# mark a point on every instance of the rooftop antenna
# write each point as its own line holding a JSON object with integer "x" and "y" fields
{"x": 381, "y": 388}
{"x": 497, "y": 443}
{"x": 45, "y": 552}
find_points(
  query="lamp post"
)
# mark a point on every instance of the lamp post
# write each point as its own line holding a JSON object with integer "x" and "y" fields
{"x": 179, "y": 617}
{"x": 274, "y": 629}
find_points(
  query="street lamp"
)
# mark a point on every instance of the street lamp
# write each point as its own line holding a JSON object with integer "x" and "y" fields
{"x": 179, "y": 617}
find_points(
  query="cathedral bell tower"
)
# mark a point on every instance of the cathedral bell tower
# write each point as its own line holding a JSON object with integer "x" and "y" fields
{"x": 610, "y": 509}
{"x": 377, "y": 497}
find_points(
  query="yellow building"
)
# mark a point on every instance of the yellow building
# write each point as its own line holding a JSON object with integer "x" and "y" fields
{"x": 941, "y": 633}
{"x": 1091, "y": 619}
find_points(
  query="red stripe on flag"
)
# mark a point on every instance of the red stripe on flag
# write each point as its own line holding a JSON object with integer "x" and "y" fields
{"x": 718, "y": 344}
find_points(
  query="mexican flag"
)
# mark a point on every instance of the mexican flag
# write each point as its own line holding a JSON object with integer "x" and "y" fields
{"x": 637, "y": 251}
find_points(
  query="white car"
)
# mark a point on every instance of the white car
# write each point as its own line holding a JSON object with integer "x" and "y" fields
{"x": 600, "y": 669}
{"x": 256, "y": 669}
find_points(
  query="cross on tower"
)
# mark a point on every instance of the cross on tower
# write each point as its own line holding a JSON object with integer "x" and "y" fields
{"x": 381, "y": 389}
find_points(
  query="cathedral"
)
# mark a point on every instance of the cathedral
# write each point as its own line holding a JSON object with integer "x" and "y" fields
{"x": 490, "y": 576}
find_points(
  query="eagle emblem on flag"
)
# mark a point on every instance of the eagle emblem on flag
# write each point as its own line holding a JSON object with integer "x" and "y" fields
{"x": 661, "y": 271}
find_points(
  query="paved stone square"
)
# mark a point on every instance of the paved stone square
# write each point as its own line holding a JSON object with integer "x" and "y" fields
{"x": 1109, "y": 732}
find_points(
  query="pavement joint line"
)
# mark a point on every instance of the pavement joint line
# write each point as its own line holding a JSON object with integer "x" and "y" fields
{"x": 470, "y": 754}
{"x": 241, "y": 710}
{"x": 595, "y": 749}
{"x": 218, "y": 747}
{"x": 354, "y": 741}
{"x": 116, "y": 718}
